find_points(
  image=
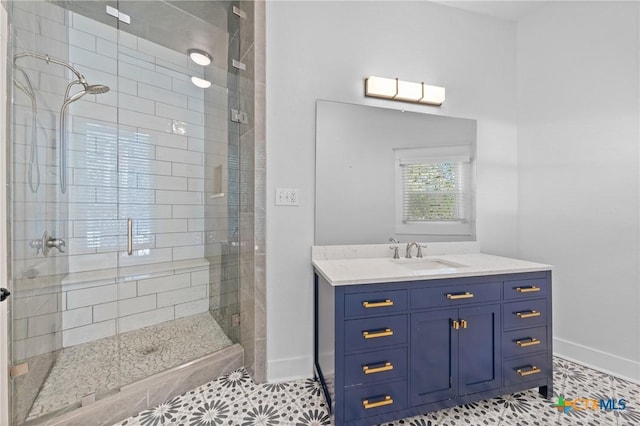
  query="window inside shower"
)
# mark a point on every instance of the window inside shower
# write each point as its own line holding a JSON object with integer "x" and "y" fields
{"x": 125, "y": 191}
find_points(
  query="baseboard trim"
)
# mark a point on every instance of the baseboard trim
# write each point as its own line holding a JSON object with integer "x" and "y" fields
{"x": 296, "y": 368}
{"x": 596, "y": 359}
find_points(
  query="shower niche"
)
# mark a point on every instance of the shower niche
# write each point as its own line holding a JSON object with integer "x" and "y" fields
{"x": 126, "y": 192}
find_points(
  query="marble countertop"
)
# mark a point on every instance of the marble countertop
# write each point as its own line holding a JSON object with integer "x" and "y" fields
{"x": 350, "y": 270}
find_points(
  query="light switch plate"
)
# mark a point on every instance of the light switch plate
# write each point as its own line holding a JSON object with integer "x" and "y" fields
{"x": 287, "y": 197}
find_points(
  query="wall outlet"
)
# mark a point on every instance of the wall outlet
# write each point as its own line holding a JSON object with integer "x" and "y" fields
{"x": 287, "y": 197}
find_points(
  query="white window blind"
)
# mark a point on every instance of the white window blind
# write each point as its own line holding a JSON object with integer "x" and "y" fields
{"x": 433, "y": 190}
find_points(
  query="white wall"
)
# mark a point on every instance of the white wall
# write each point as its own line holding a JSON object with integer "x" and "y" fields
{"x": 324, "y": 50}
{"x": 578, "y": 134}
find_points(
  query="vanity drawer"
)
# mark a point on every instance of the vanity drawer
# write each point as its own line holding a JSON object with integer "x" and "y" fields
{"x": 430, "y": 297}
{"x": 527, "y": 369}
{"x": 375, "y": 302}
{"x": 382, "y": 365}
{"x": 524, "y": 289}
{"x": 524, "y": 342}
{"x": 373, "y": 333}
{"x": 525, "y": 314}
{"x": 374, "y": 400}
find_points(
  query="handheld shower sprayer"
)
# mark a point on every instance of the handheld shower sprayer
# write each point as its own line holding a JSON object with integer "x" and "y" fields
{"x": 95, "y": 89}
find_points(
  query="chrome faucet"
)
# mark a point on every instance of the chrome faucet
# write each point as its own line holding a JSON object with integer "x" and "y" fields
{"x": 408, "y": 250}
{"x": 407, "y": 253}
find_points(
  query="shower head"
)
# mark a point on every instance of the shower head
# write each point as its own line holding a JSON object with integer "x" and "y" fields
{"x": 96, "y": 89}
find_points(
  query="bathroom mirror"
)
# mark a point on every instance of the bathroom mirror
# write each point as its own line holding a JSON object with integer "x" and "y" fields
{"x": 358, "y": 182}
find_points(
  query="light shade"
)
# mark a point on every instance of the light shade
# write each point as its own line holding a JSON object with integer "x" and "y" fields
{"x": 200, "y": 57}
{"x": 392, "y": 88}
{"x": 200, "y": 82}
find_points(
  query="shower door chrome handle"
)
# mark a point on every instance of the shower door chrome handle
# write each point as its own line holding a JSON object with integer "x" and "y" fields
{"x": 129, "y": 236}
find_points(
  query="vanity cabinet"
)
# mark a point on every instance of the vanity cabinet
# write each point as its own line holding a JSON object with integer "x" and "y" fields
{"x": 386, "y": 351}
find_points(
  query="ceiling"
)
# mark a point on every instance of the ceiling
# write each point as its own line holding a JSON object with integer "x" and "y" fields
{"x": 510, "y": 10}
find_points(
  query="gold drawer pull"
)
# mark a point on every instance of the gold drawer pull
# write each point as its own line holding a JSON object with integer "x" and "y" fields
{"x": 465, "y": 295}
{"x": 379, "y": 333}
{"x": 534, "y": 370}
{"x": 380, "y": 304}
{"x": 455, "y": 324}
{"x": 371, "y": 370}
{"x": 464, "y": 323}
{"x": 529, "y": 314}
{"x": 530, "y": 289}
{"x": 386, "y": 401}
{"x": 531, "y": 342}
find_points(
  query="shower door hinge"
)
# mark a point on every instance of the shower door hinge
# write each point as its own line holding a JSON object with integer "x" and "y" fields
{"x": 241, "y": 13}
{"x": 235, "y": 320}
{"x": 18, "y": 370}
{"x": 122, "y": 17}
{"x": 239, "y": 65}
{"x": 239, "y": 117}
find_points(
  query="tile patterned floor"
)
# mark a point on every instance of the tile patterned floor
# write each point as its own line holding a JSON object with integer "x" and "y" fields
{"x": 235, "y": 399}
{"x": 106, "y": 364}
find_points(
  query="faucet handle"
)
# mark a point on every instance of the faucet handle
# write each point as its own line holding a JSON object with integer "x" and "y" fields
{"x": 395, "y": 252}
{"x": 420, "y": 247}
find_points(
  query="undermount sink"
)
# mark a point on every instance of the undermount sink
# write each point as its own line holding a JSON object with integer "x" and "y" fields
{"x": 418, "y": 264}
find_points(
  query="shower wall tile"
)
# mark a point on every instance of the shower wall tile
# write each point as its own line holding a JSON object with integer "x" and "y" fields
{"x": 191, "y": 308}
{"x": 136, "y": 305}
{"x": 163, "y": 284}
{"x": 73, "y": 318}
{"x": 87, "y": 333}
{"x": 145, "y": 319}
{"x": 187, "y": 252}
{"x": 92, "y": 296}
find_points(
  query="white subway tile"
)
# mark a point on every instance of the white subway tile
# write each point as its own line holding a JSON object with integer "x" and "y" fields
{"x": 178, "y": 239}
{"x": 127, "y": 290}
{"x": 84, "y": 245}
{"x": 136, "y": 305}
{"x": 153, "y": 226}
{"x": 88, "y": 333}
{"x": 192, "y": 308}
{"x": 178, "y": 197}
{"x": 94, "y": 177}
{"x": 176, "y": 297}
{"x": 161, "y": 95}
{"x": 196, "y": 225}
{"x": 170, "y": 140}
{"x": 93, "y": 27}
{"x": 107, "y": 48}
{"x": 136, "y": 196}
{"x": 146, "y": 121}
{"x": 142, "y": 74}
{"x": 136, "y": 58}
{"x": 25, "y": 307}
{"x": 162, "y": 52}
{"x": 83, "y": 59}
{"x": 188, "y": 252}
{"x": 187, "y": 88}
{"x": 84, "y": 228}
{"x": 176, "y": 113}
{"x": 187, "y": 211}
{"x": 196, "y": 104}
{"x": 81, "y": 39}
{"x": 196, "y": 144}
{"x": 91, "y": 296}
{"x": 80, "y": 211}
{"x": 77, "y": 317}
{"x": 187, "y": 170}
{"x": 174, "y": 183}
{"x": 196, "y": 185}
{"x": 19, "y": 329}
{"x": 200, "y": 277}
{"x": 163, "y": 284}
{"x": 143, "y": 257}
{"x": 142, "y": 211}
{"x": 27, "y": 348}
{"x": 44, "y": 324}
{"x": 127, "y": 40}
{"x": 136, "y": 103}
{"x": 145, "y": 319}
{"x": 178, "y": 155}
{"x": 141, "y": 165}
{"x": 105, "y": 311}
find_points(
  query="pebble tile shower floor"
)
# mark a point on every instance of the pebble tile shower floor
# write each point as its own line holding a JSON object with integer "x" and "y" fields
{"x": 106, "y": 364}
{"x": 235, "y": 399}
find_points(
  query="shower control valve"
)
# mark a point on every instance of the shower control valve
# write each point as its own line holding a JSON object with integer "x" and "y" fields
{"x": 36, "y": 245}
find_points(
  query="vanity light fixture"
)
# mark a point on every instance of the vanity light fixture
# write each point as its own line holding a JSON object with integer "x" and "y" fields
{"x": 201, "y": 82}
{"x": 407, "y": 91}
{"x": 200, "y": 57}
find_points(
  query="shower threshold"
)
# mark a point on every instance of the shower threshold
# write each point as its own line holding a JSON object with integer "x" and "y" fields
{"x": 102, "y": 366}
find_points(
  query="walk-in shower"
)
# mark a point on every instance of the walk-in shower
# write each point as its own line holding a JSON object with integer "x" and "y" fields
{"x": 131, "y": 200}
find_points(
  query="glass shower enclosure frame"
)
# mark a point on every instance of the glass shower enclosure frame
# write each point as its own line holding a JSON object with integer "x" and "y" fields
{"x": 125, "y": 182}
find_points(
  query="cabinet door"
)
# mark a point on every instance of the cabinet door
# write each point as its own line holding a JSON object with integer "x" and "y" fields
{"x": 434, "y": 344}
{"x": 479, "y": 349}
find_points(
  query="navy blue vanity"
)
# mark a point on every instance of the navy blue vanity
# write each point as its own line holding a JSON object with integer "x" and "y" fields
{"x": 390, "y": 350}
